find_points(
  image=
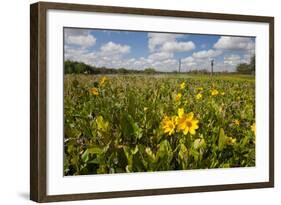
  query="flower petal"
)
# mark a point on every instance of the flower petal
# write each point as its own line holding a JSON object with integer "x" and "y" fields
{"x": 185, "y": 131}
{"x": 180, "y": 112}
{"x": 190, "y": 115}
{"x": 192, "y": 131}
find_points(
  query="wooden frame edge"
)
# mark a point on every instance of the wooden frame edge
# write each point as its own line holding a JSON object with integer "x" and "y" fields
{"x": 38, "y": 101}
{"x": 271, "y": 100}
{"x": 155, "y": 192}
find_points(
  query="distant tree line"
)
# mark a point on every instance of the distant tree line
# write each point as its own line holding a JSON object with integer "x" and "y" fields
{"x": 247, "y": 68}
{"x": 74, "y": 67}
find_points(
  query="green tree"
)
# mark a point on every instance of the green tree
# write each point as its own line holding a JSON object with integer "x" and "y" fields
{"x": 253, "y": 63}
{"x": 149, "y": 71}
{"x": 245, "y": 68}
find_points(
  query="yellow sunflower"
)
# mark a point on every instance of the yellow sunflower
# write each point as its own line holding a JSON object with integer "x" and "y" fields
{"x": 236, "y": 122}
{"x": 198, "y": 96}
{"x": 186, "y": 122}
{"x": 94, "y": 91}
{"x": 103, "y": 81}
{"x": 253, "y": 127}
{"x": 178, "y": 96}
{"x": 214, "y": 92}
{"x": 169, "y": 125}
{"x": 182, "y": 85}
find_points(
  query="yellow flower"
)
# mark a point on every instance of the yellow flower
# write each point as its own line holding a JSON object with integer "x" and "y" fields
{"x": 180, "y": 112}
{"x": 253, "y": 127}
{"x": 169, "y": 125}
{"x": 214, "y": 92}
{"x": 186, "y": 122}
{"x": 236, "y": 122}
{"x": 178, "y": 96}
{"x": 94, "y": 91}
{"x": 230, "y": 141}
{"x": 145, "y": 109}
{"x": 102, "y": 124}
{"x": 103, "y": 80}
{"x": 182, "y": 85}
{"x": 198, "y": 96}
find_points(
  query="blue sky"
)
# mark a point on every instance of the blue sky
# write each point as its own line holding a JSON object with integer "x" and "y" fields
{"x": 162, "y": 51}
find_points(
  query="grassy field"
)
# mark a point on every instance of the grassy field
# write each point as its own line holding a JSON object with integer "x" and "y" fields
{"x": 118, "y": 124}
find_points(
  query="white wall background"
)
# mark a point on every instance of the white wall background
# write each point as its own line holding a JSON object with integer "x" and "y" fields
{"x": 14, "y": 103}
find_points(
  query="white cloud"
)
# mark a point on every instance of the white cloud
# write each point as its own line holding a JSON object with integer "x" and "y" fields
{"x": 199, "y": 60}
{"x": 76, "y": 32}
{"x": 83, "y": 41}
{"x": 234, "y": 43}
{"x": 207, "y": 54}
{"x": 178, "y": 46}
{"x": 160, "y": 56}
{"x": 188, "y": 61}
{"x": 157, "y": 39}
{"x": 109, "y": 55}
{"x": 247, "y": 57}
{"x": 166, "y": 42}
{"x": 79, "y": 37}
{"x": 162, "y": 49}
{"x": 232, "y": 59}
{"x": 112, "y": 48}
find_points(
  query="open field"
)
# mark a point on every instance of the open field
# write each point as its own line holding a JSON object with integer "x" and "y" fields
{"x": 139, "y": 123}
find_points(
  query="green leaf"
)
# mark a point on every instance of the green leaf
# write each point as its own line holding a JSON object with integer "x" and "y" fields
{"x": 222, "y": 139}
{"x": 183, "y": 153}
{"x": 199, "y": 143}
{"x": 195, "y": 154}
{"x": 127, "y": 125}
{"x": 151, "y": 155}
{"x": 94, "y": 161}
{"x": 95, "y": 150}
{"x": 85, "y": 156}
{"x": 134, "y": 150}
{"x": 165, "y": 154}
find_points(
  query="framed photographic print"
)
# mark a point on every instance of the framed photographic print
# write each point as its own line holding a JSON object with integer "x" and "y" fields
{"x": 134, "y": 102}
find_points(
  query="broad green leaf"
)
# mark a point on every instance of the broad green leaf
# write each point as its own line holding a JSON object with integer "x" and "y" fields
{"x": 222, "y": 139}
{"x": 183, "y": 153}
{"x": 85, "y": 156}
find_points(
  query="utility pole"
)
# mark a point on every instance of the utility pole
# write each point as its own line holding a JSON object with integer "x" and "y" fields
{"x": 212, "y": 67}
{"x": 179, "y": 65}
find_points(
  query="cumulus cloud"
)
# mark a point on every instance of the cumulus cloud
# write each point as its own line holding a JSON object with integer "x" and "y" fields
{"x": 73, "y": 53}
{"x": 162, "y": 48}
{"x": 157, "y": 39}
{"x": 76, "y": 32}
{"x": 109, "y": 54}
{"x": 166, "y": 42}
{"x": 160, "y": 56}
{"x": 234, "y": 43}
{"x": 112, "y": 48}
{"x": 188, "y": 61}
{"x": 178, "y": 46}
{"x": 200, "y": 60}
{"x": 232, "y": 59}
{"x": 207, "y": 54}
{"x": 83, "y": 41}
{"x": 79, "y": 37}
